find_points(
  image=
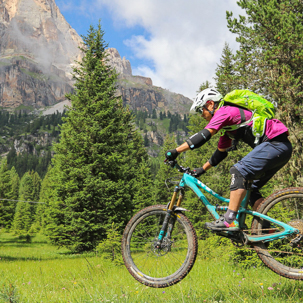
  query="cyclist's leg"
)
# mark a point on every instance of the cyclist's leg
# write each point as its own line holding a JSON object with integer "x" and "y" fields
{"x": 261, "y": 164}
{"x": 277, "y": 162}
{"x": 264, "y": 161}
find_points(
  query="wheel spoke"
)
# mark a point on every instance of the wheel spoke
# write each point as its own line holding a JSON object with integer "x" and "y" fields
{"x": 164, "y": 264}
{"x": 284, "y": 256}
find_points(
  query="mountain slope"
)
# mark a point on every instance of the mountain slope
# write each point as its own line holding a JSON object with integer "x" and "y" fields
{"x": 37, "y": 50}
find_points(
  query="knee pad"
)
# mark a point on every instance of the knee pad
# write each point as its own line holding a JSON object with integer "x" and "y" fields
{"x": 237, "y": 180}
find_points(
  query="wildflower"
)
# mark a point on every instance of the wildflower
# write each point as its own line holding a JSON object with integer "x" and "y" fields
{"x": 137, "y": 292}
{"x": 163, "y": 292}
{"x": 261, "y": 284}
{"x": 270, "y": 288}
{"x": 75, "y": 282}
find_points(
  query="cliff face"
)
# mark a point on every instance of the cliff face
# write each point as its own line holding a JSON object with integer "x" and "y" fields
{"x": 139, "y": 93}
{"x": 37, "y": 50}
{"x": 37, "y": 29}
{"x": 22, "y": 82}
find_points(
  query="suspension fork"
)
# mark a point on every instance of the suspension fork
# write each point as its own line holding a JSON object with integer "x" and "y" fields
{"x": 167, "y": 228}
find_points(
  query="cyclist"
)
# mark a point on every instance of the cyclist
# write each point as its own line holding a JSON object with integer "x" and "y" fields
{"x": 271, "y": 153}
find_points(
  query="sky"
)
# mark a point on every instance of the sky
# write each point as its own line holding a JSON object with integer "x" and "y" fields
{"x": 177, "y": 43}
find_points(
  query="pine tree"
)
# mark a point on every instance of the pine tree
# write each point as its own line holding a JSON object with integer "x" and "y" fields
{"x": 36, "y": 185}
{"x": 154, "y": 114}
{"x": 9, "y": 186}
{"x": 204, "y": 85}
{"x": 25, "y": 211}
{"x": 47, "y": 196}
{"x": 225, "y": 74}
{"x": 97, "y": 157}
{"x": 270, "y": 61}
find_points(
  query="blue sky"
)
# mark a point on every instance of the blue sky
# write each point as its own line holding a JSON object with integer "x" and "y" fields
{"x": 177, "y": 43}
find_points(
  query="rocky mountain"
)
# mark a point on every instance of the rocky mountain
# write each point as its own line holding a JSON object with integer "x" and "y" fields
{"x": 37, "y": 50}
{"x": 139, "y": 93}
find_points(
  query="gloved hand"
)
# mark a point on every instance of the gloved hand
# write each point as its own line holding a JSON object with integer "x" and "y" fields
{"x": 197, "y": 172}
{"x": 171, "y": 154}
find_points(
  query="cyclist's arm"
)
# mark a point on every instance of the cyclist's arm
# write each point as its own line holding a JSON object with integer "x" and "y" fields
{"x": 184, "y": 147}
{"x": 207, "y": 165}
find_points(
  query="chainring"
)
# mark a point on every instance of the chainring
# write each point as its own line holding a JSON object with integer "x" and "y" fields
{"x": 298, "y": 224}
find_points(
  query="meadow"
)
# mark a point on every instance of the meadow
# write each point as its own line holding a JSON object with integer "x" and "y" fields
{"x": 38, "y": 272}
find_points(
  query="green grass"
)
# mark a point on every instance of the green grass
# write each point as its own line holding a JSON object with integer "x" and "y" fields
{"x": 39, "y": 272}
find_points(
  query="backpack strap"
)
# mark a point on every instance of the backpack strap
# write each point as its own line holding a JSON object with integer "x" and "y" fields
{"x": 243, "y": 118}
{"x": 243, "y": 122}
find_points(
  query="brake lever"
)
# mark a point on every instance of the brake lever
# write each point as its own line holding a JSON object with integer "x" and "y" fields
{"x": 170, "y": 163}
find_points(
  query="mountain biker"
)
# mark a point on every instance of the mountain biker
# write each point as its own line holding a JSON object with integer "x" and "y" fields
{"x": 271, "y": 154}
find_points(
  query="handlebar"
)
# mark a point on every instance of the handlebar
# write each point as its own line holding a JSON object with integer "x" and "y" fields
{"x": 181, "y": 169}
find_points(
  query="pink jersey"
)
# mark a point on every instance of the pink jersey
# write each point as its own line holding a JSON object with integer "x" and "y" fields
{"x": 230, "y": 115}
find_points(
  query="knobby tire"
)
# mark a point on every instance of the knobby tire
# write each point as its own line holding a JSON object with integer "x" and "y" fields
{"x": 158, "y": 267}
{"x": 280, "y": 256}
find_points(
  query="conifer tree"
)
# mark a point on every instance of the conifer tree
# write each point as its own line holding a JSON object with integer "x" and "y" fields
{"x": 47, "y": 196}
{"x": 9, "y": 186}
{"x": 204, "y": 85}
{"x": 25, "y": 211}
{"x": 36, "y": 185}
{"x": 270, "y": 58}
{"x": 97, "y": 158}
{"x": 225, "y": 74}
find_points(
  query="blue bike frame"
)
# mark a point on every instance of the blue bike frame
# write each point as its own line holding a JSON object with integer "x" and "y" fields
{"x": 195, "y": 184}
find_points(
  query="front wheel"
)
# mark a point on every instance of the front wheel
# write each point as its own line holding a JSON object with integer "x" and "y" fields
{"x": 157, "y": 266}
{"x": 283, "y": 256}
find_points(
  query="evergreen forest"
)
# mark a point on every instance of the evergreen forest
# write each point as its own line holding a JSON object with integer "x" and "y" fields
{"x": 95, "y": 172}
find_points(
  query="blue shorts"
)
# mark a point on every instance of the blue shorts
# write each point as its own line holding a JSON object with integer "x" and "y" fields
{"x": 263, "y": 162}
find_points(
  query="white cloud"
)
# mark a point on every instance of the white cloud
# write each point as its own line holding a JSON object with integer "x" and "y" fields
{"x": 185, "y": 38}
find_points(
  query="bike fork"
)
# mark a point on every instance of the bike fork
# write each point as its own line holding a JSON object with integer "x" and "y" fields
{"x": 165, "y": 231}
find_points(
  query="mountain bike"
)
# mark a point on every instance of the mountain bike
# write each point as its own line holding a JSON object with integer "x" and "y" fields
{"x": 159, "y": 244}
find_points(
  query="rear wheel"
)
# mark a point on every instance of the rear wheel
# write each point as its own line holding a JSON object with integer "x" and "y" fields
{"x": 283, "y": 256}
{"x": 154, "y": 266}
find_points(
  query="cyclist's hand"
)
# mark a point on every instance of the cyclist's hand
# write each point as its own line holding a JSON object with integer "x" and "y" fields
{"x": 171, "y": 154}
{"x": 197, "y": 172}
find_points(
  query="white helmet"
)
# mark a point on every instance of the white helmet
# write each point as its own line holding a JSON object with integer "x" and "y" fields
{"x": 205, "y": 95}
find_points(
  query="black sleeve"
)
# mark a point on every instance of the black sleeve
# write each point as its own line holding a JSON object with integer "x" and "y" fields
{"x": 198, "y": 139}
{"x": 217, "y": 157}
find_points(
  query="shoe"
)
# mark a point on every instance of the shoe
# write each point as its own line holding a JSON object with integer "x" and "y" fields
{"x": 221, "y": 224}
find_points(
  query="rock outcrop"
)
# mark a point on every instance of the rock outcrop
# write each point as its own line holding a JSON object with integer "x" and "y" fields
{"x": 139, "y": 93}
{"x": 37, "y": 50}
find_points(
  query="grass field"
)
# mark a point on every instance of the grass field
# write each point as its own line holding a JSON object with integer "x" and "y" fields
{"x": 39, "y": 272}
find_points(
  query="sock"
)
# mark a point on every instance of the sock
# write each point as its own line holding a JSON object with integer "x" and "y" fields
{"x": 230, "y": 216}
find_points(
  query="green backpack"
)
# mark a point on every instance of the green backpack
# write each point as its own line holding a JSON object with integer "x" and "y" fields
{"x": 261, "y": 110}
